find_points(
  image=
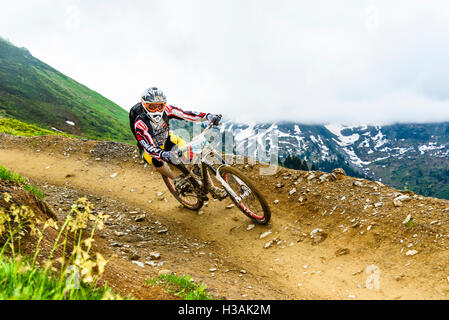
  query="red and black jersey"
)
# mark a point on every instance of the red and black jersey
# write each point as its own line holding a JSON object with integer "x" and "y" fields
{"x": 151, "y": 135}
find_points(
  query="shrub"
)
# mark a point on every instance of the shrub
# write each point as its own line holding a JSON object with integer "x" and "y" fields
{"x": 71, "y": 276}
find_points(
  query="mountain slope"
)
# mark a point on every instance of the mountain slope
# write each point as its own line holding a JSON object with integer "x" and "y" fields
{"x": 34, "y": 92}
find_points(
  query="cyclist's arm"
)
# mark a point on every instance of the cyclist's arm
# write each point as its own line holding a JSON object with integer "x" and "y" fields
{"x": 177, "y": 113}
{"x": 146, "y": 141}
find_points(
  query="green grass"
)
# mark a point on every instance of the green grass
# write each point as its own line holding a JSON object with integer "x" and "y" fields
{"x": 182, "y": 286}
{"x": 20, "y": 281}
{"x": 8, "y": 175}
{"x": 20, "y": 128}
{"x": 72, "y": 276}
{"x": 427, "y": 176}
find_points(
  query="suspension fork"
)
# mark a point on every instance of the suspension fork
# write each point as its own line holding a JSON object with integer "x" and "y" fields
{"x": 218, "y": 176}
{"x": 225, "y": 185}
{"x": 205, "y": 174}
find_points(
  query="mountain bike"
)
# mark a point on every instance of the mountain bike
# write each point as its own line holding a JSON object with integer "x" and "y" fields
{"x": 202, "y": 168}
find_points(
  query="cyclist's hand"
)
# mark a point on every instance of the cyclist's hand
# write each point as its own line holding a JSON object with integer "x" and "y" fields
{"x": 165, "y": 156}
{"x": 214, "y": 118}
{"x": 170, "y": 157}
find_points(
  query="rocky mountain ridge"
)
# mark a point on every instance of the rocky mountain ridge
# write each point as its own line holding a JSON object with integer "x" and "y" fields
{"x": 406, "y": 156}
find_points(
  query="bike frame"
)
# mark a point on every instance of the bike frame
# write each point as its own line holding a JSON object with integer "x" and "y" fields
{"x": 205, "y": 165}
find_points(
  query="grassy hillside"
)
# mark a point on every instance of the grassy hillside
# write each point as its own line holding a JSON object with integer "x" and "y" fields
{"x": 34, "y": 92}
{"x": 19, "y": 128}
{"x": 428, "y": 176}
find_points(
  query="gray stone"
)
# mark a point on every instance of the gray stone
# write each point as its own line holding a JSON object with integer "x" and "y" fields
{"x": 342, "y": 252}
{"x": 140, "y": 264}
{"x": 357, "y": 183}
{"x": 339, "y": 171}
{"x": 265, "y": 234}
{"x": 116, "y": 244}
{"x": 403, "y": 198}
{"x": 268, "y": 244}
{"x": 378, "y": 204}
{"x": 154, "y": 255}
{"x": 318, "y": 236}
{"x": 140, "y": 217}
{"x": 397, "y": 203}
{"x": 311, "y": 176}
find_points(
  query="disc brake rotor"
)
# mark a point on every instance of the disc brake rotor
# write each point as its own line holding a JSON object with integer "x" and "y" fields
{"x": 245, "y": 191}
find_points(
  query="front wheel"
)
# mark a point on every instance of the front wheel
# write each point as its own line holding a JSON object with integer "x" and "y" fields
{"x": 251, "y": 201}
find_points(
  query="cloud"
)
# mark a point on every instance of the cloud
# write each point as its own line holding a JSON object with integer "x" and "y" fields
{"x": 73, "y": 18}
{"x": 313, "y": 62}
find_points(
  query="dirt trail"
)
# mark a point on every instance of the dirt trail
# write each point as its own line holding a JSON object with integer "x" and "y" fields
{"x": 359, "y": 232}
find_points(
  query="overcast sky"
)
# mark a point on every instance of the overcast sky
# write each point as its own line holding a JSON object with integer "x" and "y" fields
{"x": 251, "y": 60}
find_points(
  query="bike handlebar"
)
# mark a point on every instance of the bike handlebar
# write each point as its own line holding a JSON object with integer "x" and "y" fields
{"x": 182, "y": 149}
{"x": 207, "y": 128}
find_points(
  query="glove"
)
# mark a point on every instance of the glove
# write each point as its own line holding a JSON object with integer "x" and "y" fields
{"x": 214, "y": 118}
{"x": 170, "y": 157}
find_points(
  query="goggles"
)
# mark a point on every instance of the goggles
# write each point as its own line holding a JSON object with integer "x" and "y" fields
{"x": 154, "y": 106}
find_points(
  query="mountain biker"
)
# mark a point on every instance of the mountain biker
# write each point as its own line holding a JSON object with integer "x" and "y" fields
{"x": 149, "y": 121}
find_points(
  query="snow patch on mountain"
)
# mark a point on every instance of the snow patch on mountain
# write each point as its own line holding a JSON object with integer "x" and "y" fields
{"x": 429, "y": 147}
{"x": 342, "y": 140}
{"x": 314, "y": 140}
{"x": 244, "y": 134}
{"x": 355, "y": 159}
{"x": 380, "y": 140}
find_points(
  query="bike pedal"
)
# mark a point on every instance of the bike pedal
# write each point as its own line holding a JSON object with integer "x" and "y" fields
{"x": 222, "y": 198}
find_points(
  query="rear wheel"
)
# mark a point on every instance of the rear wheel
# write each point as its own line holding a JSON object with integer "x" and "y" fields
{"x": 251, "y": 201}
{"x": 190, "y": 200}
